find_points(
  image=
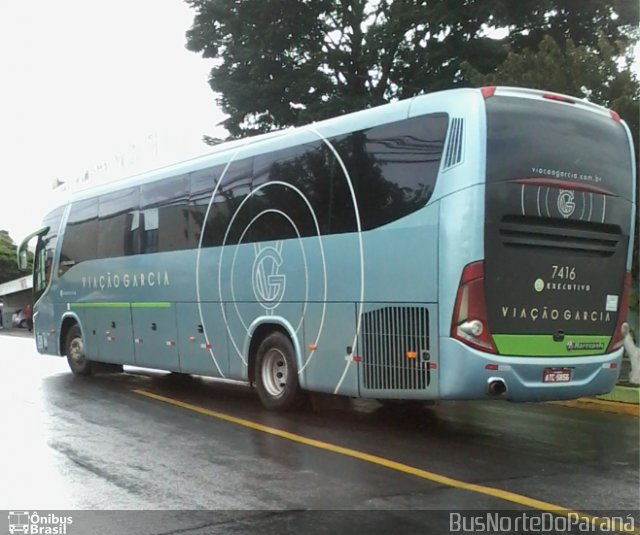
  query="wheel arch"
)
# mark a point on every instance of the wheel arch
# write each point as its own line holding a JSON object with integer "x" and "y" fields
{"x": 262, "y": 327}
{"x": 68, "y": 320}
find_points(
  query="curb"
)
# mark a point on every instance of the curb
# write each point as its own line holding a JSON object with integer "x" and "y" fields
{"x": 594, "y": 404}
{"x": 621, "y": 400}
{"x": 622, "y": 394}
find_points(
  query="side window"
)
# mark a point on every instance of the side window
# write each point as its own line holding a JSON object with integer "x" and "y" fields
{"x": 119, "y": 223}
{"x": 284, "y": 210}
{"x": 228, "y": 205}
{"x": 393, "y": 167}
{"x": 164, "y": 215}
{"x": 79, "y": 242}
{"x": 201, "y": 186}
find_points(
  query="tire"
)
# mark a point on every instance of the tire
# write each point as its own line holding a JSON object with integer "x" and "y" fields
{"x": 74, "y": 349}
{"x": 276, "y": 374}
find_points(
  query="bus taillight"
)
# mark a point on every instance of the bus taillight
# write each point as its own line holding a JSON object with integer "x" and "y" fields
{"x": 618, "y": 338}
{"x": 488, "y": 91}
{"x": 559, "y": 98}
{"x": 469, "y": 323}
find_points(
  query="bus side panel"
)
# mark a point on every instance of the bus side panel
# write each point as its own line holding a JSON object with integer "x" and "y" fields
{"x": 114, "y": 333}
{"x": 91, "y": 335}
{"x": 217, "y": 336}
{"x": 398, "y": 339}
{"x": 195, "y": 354}
{"x": 461, "y": 242}
{"x": 155, "y": 336}
{"x": 327, "y": 368}
{"x": 401, "y": 262}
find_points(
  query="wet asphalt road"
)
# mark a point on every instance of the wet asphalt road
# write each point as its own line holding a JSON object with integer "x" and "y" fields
{"x": 75, "y": 443}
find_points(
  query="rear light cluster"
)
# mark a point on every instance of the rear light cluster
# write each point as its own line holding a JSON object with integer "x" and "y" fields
{"x": 559, "y": 98}
{"x": 488, "y": 91}
{"x": 469, "y": 323}
{"x": 623, "y": 306}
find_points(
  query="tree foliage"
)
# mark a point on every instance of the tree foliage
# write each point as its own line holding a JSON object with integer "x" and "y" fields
{"x": 8, "y": 265}
{"x": 289, "y": 62}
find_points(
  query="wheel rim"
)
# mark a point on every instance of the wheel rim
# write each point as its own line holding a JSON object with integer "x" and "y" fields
{"x": 76, "y": 351}
{"x": 275, "y": 372}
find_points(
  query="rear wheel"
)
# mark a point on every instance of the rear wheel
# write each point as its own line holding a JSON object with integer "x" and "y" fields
{"x": 74, "y": 348}
{"x": 277, "y": 374}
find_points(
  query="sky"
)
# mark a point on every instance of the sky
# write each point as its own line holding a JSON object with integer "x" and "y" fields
{"x": 106, "y": 88}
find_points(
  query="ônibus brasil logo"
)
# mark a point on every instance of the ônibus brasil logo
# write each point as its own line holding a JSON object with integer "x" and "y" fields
{"x": 38, "y": 524}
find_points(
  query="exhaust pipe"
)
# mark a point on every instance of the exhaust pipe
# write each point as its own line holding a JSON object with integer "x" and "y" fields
{"x": 496, "y": 386}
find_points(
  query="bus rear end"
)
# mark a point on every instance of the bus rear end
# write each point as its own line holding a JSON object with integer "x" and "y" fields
{"x": 541, "y": 316}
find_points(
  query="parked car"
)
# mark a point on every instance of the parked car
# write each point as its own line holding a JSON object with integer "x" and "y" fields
{"x": 18, "y": 319}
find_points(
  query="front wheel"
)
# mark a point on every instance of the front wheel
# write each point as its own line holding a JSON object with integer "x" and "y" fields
{"x": 277, "y": 374}
{"x": 74, "y": 348}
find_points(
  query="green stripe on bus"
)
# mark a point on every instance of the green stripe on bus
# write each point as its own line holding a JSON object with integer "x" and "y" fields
{"x": 543, "y": 345}
{"x": 142, "y": 304}
{"x": 150, "y": 305}
{"x": 100, "y": 305}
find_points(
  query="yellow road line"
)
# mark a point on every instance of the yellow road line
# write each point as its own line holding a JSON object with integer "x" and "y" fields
{"x": 393, "y": 465}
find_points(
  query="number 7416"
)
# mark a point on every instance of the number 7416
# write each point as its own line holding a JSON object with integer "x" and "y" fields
{"x": 564, "y": 273}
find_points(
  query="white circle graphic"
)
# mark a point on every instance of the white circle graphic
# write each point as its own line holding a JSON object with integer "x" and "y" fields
{"x": 232, "y": 279}
{"x": 322, "y": 256}
{"x": 273, "y": 290}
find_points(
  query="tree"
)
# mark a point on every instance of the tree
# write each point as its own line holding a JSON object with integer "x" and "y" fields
{"x": 8, "y": 264}
{"x": 290, "y": 62}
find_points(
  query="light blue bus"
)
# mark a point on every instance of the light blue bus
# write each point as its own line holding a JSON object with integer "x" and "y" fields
{"x": 467, "y": 244}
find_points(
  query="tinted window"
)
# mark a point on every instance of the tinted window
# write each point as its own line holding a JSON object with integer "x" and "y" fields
{"x": 307, "y": 169}
{"x": 52, "y": 220}
{"x": 120, "y": 223}
{"x": 228, "y": 205}
{"x": 201, "y": 185}
{"x": 164, "y": 215}
{"x": 80, "y": 241}
{"x": 394, "y": 167}
{"x": 528, "y": 138}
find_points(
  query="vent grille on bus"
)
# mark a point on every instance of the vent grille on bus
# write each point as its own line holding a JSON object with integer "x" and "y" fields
{"x": 595, "y": 239}
{"x": 395, "y": 342}
{"x": 453, "y": 152}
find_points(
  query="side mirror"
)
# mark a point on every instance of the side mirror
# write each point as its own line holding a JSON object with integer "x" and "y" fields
{"x": 22, "y": 260}
{"x": 21, "y": 252}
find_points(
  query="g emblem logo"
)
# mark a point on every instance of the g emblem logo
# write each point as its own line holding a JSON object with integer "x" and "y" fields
{"x": 268, "y": 284}
{"x": 566, "y": 206}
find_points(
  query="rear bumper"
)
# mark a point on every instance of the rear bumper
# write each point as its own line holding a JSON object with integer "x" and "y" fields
{"x": 463, "y": 374}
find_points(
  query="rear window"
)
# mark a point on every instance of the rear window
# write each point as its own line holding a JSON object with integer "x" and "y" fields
{"x": 529, "y": 138}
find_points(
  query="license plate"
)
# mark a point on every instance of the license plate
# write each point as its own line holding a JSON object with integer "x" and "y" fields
{"x": 556, "y": 375}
